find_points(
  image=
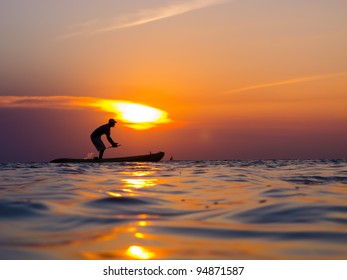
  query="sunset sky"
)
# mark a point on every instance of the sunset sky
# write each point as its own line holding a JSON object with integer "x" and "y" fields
{"x": 233, "y": 79}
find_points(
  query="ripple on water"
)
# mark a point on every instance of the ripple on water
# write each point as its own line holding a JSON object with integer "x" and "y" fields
{"x": 282, "y": 193}
{"x": 285, "y": 213}
{"x": 315, "y": 180}
{"x": 225, "y": 233}
{"x": 131, "y": 206}
{"x": 111, "y": 201}
{"x": 21, "y": 209}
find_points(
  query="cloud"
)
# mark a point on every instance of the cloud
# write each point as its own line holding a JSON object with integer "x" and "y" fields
{"x": 150, "y": 15}
{"x": 141, "y": 17}
{"x": 289, "y": 82}
{"x": 51, "y": 102}
{"x": 133, "y": 115}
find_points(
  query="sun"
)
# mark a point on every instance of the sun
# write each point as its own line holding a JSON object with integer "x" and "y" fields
{"x": 135, "y": 115}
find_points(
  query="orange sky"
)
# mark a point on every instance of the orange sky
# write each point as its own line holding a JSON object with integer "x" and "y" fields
{"x": 238, "y": 79}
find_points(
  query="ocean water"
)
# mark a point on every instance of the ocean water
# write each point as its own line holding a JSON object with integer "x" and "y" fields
{"x": 284, "y": 209}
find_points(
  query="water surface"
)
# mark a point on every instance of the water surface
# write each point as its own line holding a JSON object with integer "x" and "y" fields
{"x": 174, "y": 210}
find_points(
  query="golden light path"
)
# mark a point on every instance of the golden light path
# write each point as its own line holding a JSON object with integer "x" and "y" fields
{"x": 138, "y": 243}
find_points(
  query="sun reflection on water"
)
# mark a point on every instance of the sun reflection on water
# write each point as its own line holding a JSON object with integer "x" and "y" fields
{"x": 139, "y": 235}
{"x": 136, "y": 243}
{"x": 143, "y": 223}
{"x": 114, "y": 194}
{"x": 139, "y": 252}
{"x": 138, "y": 180}
{"x": 140, "y": 183}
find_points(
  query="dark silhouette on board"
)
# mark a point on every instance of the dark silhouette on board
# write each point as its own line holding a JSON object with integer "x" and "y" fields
{"x": 96, "y": 137}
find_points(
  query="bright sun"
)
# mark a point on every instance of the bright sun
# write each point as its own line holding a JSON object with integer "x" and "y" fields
{"x": 134, "y": 115}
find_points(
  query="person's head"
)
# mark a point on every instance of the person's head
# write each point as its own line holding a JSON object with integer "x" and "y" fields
{"x": 111, "y": 122}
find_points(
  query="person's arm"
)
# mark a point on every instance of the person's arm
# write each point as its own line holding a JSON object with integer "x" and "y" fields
{"x": 114, "y": 144}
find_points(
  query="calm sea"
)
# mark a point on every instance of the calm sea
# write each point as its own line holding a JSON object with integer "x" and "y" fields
{"x": 174, "y": 210}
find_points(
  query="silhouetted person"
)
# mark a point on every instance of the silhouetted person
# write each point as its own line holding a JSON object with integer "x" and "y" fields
{"x": 96, "y": 137}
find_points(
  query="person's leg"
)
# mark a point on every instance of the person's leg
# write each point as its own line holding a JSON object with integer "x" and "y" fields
{"x": 99, "y": 145}
{"x": 101, "y": 153}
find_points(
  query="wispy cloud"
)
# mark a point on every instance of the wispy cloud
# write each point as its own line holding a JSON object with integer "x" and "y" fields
{"x": 140, "y": 17}
{"x": 49, "y": 102}
{"x": 289, "y": 82}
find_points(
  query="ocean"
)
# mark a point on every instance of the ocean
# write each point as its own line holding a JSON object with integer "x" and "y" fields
{"x": 269, "y": 210}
